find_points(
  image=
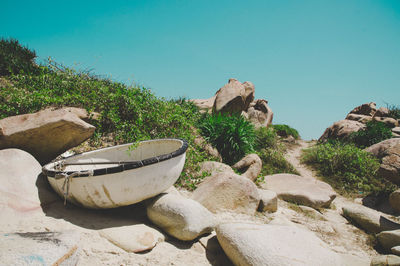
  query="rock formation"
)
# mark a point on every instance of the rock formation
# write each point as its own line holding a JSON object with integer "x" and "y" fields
{"x": 237, "y": 97}
{"x": 356, "y": 120}
{"x": 45, "y": 134}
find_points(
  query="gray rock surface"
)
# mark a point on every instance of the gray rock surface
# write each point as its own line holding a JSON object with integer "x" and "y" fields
{"x": 395, "y": 250}
{"x": 213, "y": 168}
{"x": 385, "y": 260}
{"x": 259, "y": 113}
{"x": 182, "y": 218}
{"x": 230, "y": 98}
{"x": 268, "y": 201}
{"x": 20, "y": 182}
{"x": 341, "y": 130}
{"x": 301, "y": 190}
{"x": 45, "y": 134}
{"x": 394, "y": 200}
{"x": 389, "y": 121}
{"x": 389, "y": 152}
{"x": 360, "y": 118}
{"x": 133, "y": 238}
{"x": 365, "y": 109}
{"x": 228, "y": 191}
{"x": 368, "y": 219}
{"x": 389, "y": 239}
{"x": 252, "y": 163}
{"x": 255, "y": 244}
{"x": 40, "y": 248}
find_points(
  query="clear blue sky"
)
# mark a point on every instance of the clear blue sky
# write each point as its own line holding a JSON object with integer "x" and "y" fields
{"x": 312, "y": 60}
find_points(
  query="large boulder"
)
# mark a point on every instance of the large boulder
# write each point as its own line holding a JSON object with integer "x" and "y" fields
{"x": 385, "y": 260}
{"x": 253, "y": 165}
{"x": 40, "y": 248}
{"x": 255, "y": 244}
{"x": 394, "y": 200}
{"x": 360, "y": 118}
{"x": 205, "y": 105}
{"x": 389, "y": 239}
{"x": 230, "y": 98}
{"x": 389, "y": 121}
{"x": 389, "y": 152}
{"x": 213, "y": 168}
{"x": 228, "y": 192}
{"x": 20, "y": 182}
{"x": 259, "y": 113}
{"x": 365, "y": 109}
{"x": 341, "y": 130}
{"x": 301, "y": 190}
{"x": 368, "y": 219}
{"x": 382, "y": 112}
{"x": 133, "y": 238}
{"x": 45, "y": 134}
{"x": 249, "y": 91}
{"x": 268, "y": 201}
{"x": 182, "y": 218}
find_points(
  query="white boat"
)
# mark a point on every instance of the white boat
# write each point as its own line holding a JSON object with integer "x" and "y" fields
{"x": 120, "y": 175}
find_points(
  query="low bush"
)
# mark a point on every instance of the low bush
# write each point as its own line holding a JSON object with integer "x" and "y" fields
{"x": 374, "y": 132}
{"x": 265, "y": 138}
{"x": 394, "y": 111}
{"x": 232, "y": 135}
{"x": 15, "y": 59}
{"x": 286, "y": 131}
{"x": 347, "y": 168}
{"x": 128, "y": 113}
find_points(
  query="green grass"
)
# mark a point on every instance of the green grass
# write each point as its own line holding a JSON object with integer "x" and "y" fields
{"x": 131, "y": 113}
{"x": 286, "y": 131}
{"x": 127, "y": 113}
{"x": 232, "y": 135}
{"x": 15, "y": 58}
{"x": 271, "y": 153}
{"x": 394, "y": 111}
{"x": 374, "y": 132}
{"x": 347, "y": 168}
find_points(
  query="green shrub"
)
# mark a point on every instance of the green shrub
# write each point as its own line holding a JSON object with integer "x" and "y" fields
{"x": 347, "y": 168}
{"x": 265, "y": 138}
{"x": 394, "y": 111}
{"x": 274, "y": 161}
{"x": 374, "y": 132}
{"x": 286, "y": 131}
{"x": 232, "y": 135}
{"x": 14, "y": 58}
{"x": 127, "y": 113}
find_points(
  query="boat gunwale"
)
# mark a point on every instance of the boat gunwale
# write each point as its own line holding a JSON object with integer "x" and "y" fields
{"x": 121, "y": 167}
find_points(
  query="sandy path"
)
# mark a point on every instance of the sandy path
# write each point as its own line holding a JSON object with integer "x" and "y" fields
{"x": 333, "y": 228}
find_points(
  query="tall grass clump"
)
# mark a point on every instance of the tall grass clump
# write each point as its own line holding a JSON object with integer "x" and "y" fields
{"x": 271, "y": 153}
{"x": 286, "y": 131}
{"x": 394, "y": 111}
{"x": 232, "y": 135}
{"x": 15, "y": 58}
{"x": 347, "y": 168}
{"x": 374, "y": 132}
{"x": 127, "y": 113}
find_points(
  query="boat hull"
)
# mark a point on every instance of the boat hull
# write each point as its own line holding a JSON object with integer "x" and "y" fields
{"x": 121, "y": 188}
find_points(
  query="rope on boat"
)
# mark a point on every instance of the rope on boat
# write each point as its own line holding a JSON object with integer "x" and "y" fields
{"x": 67, "y": 181}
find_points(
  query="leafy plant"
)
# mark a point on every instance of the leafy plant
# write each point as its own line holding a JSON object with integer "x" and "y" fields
{"x": 286, "y": 131}
{"x": 394, "y": 111}
{"x": 232, "y": 135}
{"x": 374, "y": 132}
{"x": 265, "y": 138}
{"x": 347, "y": 168}
{"x": 14, "y": 58}
{"x": 127, "y": 113}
